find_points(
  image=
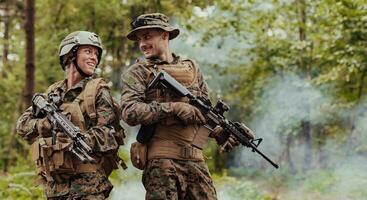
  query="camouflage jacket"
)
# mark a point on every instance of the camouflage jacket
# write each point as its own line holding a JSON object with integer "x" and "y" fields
{"x": 99, "y": 132}
{"x": 136, "y": 108}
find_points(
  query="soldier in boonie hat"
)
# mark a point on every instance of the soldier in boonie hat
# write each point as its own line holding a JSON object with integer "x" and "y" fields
{"x": 172, "y": 158}
{"x": 153, "y": 20}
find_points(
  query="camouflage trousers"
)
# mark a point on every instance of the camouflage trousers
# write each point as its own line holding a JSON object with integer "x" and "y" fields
{"x": 86, "y": 197}
{"x": 91, "y": 185}
{"x": 178, "y": 179}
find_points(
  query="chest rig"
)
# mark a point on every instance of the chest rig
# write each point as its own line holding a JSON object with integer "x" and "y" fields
{"x": 184, "y": 72}
{"x": 54, "y": 161}
{"x": 81, "y": 110}
{"x": 173, "y": 139}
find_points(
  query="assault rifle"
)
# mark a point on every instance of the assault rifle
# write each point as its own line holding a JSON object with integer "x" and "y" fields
{"x": 214, "y": 115}
{"x": 58, "y": 120}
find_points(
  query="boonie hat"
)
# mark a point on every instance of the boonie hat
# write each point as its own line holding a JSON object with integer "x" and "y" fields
{"x": 152, "y": 20}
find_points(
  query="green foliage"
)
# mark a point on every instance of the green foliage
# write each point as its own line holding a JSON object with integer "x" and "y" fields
{"x": 11, "y": 84}
{"x": 21, "y": 182}
{"x": 320, "y": 181}
{"x": 236, "y": 189}
{"x": 245, "y": 49}
{"x": 54, "y": 20}
{"x": 326, "y": 50}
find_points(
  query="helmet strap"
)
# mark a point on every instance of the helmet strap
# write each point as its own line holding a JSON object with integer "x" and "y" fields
{"x": 80, "y": 70}
{"x": 74, "y": 60}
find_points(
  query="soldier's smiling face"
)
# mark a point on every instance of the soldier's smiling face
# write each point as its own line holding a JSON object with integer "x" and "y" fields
{"x": 153, "y": 43}
{"x": 87, "y": 58}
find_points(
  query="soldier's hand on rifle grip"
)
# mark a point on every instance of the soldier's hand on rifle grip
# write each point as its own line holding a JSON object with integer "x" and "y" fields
{"x": 187, "y": 113}
{"x": 225, "y": 141}
{"x": 38, "y": 113}
{"x": 245, "y": 130}
{"x": 229, "y": 144}
{"x": 90, "y": 140}
{"x": 63, "y": 138}
{"x": 217, "y": 133}
{"x": 44, "y": 127}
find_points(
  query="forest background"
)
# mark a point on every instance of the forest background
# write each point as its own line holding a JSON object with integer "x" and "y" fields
{"x": 293, "y": 70}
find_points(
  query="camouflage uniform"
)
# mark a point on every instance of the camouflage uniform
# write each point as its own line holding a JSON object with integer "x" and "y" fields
{"x": 164, "y": 178}
{"x": 178, "y": 179}
{"x": 91, "y": 185}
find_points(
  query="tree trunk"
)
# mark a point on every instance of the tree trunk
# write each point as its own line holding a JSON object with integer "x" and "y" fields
{"x": 30, "y": 51}
{"x": 92, "y": 22}
{"x": 304, "y": 65}
{"x": 6, "y": 36}
{"x": 322, "y": 156}
{"x": 352, "y": 137}
{"x": 288, "y": 154}
{"x": 306, "y": 132}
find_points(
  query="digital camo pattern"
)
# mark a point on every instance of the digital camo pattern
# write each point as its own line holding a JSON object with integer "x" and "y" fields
{"x": 136, "y": 108}
{"x": 99, "y": 134}
{"x": 178, "y": 179}
{"x": 163, "y": 178}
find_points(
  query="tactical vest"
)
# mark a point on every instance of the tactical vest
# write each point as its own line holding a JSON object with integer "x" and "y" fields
{"x": 55, "y": 162}
{"x": 173, "y": 139}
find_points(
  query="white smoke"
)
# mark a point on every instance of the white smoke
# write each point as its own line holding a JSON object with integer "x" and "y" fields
{"x": 351, "y": 178}
{"x": 131, "y": 188}
{"x": 286, "y": 102}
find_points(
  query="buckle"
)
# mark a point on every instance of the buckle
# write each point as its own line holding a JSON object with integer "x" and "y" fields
{"x": 42, "y": 142}
{"x": 187, "y": 152}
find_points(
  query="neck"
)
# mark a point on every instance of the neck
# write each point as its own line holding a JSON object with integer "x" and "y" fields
{"x": 73, "y": 76}
{"x": 166, "y": 56}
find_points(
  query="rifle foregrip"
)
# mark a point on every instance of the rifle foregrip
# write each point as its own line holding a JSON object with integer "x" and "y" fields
{"x": 146, "y": 133}
{"x": 84, "y": 145}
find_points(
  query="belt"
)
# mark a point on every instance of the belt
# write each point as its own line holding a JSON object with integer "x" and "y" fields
{"x": 173, "y": 150}
{"x": 86, "y": 167}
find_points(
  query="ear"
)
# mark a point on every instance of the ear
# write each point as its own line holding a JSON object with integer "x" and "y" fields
{"x": 165, "y": 35}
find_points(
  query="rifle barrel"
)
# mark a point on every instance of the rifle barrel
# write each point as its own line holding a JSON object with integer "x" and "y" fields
{"x": 265, "y": 157}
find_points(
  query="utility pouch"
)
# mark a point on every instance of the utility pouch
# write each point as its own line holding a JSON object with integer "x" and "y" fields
{"x": 63, "y": 162}
{"x": 138, "y": 155}
{"x": 51, "y": 160}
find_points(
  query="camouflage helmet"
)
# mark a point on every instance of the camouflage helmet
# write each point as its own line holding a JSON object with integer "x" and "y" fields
{"x": 77, "y": 38}
{"x": 152, "y": 20}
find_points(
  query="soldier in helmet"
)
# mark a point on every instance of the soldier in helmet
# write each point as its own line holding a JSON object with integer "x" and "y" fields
{"x": 172, "y": 160}
{"x": 88, "y": 104}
